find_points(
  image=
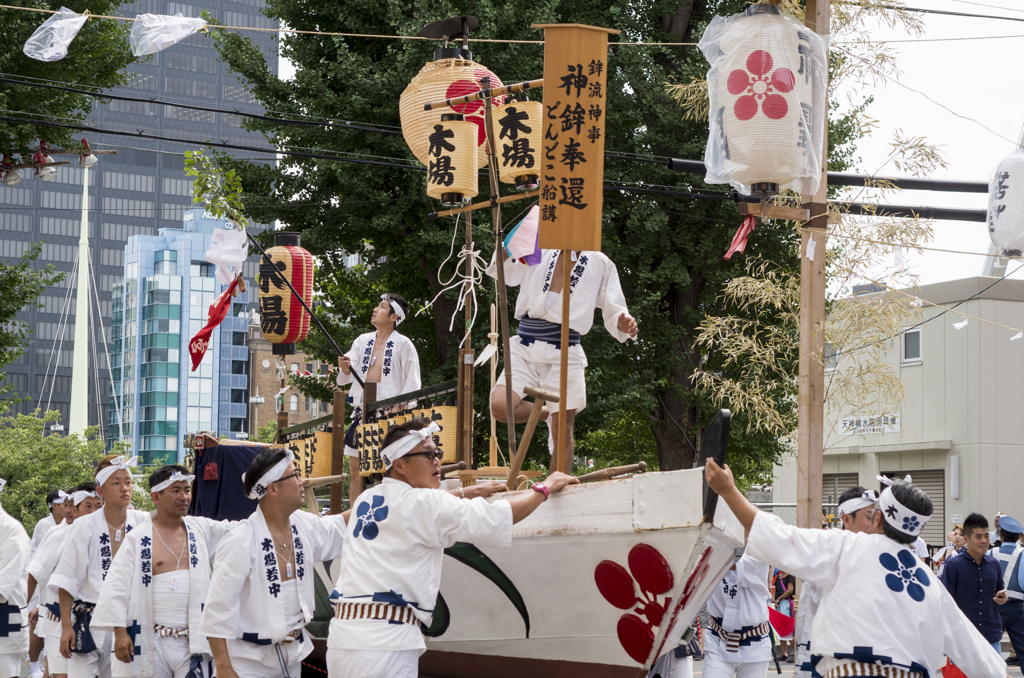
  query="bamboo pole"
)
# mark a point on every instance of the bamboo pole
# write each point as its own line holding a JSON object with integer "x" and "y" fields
{"x": 811, "y": 394}
{"x": 492, "y": 173}
{"x": 492, "y": 457}
{"x": 481, "y": 205}
{"x": 485, "y": 93}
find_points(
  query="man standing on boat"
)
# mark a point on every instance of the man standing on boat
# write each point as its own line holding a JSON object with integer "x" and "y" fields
{"x": 593, "y": 284}
{"x": 382, "y": 357}
{"x": 882, "y": 613}
{"x": 391, "y": 564}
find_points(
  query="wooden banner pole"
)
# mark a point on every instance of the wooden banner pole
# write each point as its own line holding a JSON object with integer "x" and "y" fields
{"x": 811, "y": 393}
{"x": 563, "y": 456}
{"x": 506, "y": 342}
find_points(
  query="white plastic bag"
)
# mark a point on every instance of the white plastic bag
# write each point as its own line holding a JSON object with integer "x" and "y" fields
{"x": 767, "y": 89}
{"x": 154, "y": 32}
{"x": 1006, "y": 205}
{"x": 50, "y": 41}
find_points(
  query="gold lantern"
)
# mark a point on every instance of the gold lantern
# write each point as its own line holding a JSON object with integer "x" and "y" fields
{"x": 518, "y": 146}
{"x": 283, "y": 320}
{"x": 451, "y": 74}
{"x": 451, "y": 160}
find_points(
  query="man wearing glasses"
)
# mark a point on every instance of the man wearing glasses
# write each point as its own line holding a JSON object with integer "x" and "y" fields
{"x": 261, "y": 595}
{"x": 391, "y": 565}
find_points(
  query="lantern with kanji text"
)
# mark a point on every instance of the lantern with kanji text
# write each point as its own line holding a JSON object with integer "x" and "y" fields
{"x": 1006, "y": 205}
{"x": 518, "y": 126}
{"x": 766, "y": 88}
{"x": 451, "y": 160}
{"x": 283, "y": 320}
{"x": 450, "y": 75}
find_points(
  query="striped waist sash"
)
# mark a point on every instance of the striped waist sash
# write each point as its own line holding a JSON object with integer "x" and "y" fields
{"x": 385, "y": 611}
{"x": 531, "y": 330}
{"x": 165, "y": 631}
{"x": 862, "y": 669}
{"x": 732, "y": 640}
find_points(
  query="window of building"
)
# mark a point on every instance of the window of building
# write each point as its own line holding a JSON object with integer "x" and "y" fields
{"x": 831, "y": 357}
{"x": 295, "y": 368}
{"x": 238, "y": 338}
{"x": 294, "y": 403}
{"x": 912, "y": 346}
{"x": 237, "y": 395}
{"x": 238, "y": 366}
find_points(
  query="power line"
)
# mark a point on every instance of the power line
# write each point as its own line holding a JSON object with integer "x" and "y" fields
{"x": 939, "y": 11}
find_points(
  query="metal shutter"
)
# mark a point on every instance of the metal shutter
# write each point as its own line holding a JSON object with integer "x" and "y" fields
{"x": 834, "y": 484}
{"x": 934, "y": 485}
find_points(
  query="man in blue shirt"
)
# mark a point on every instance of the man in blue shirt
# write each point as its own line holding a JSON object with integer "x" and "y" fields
{"x": 1008, "y": 555}
{"x": 975, "y": 581}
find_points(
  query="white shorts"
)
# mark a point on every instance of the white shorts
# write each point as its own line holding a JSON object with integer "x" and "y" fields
{"x": 10, "y": 665}
{"x": 55, "y": 661}
{"x": 171, "y": 657}
{"x": 716, "y": 667}
{"x": 372, "y": 664}
{"x": 254, "y": 668}
{"x": 537, "y": 366}
{"x": 670, "y": 666}
{"x": 95, "y": 663}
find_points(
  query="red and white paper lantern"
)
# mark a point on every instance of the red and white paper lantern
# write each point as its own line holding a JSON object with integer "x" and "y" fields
{"x": 767, "y": 95}
{"x": 1006, "y": 206}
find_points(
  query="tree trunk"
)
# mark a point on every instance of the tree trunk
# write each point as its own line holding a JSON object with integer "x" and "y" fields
{"x": 444, "y": 309}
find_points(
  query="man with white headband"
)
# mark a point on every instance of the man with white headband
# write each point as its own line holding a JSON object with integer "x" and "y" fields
{"x": 153, "y": 596}
{"x": 738, "y": 640}
{"x": 882, "y": 612}
{"x": 856, "y": 514}
{"x": 975, "y": 581}
{"x": 79, "y": 502}
{"x": 383, "y": 357}
{"x": 55, "y": 504}
{"x": 92, "y": 543}
{"x": 14, "y": 548}
{"x": 262, "y": 594}
{"x": 391, "y": 565}
{"x": 536, "y": 349}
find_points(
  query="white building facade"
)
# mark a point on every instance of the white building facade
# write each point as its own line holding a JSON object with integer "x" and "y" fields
{"x": 960, "y": 431}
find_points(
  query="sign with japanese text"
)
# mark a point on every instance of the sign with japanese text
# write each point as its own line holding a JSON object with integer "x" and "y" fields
{"x": 863, "y": 425}
{"x": 572, "y": 146}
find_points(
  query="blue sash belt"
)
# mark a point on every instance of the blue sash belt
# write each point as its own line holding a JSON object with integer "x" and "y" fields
{"x": 84, "y": 643}
{"x": 531, "y": 330}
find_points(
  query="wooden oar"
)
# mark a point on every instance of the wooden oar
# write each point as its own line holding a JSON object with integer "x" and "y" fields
{"x": 309, "y": 483}
{"x": 612, "y": 472}
{"x": 539, "y": 398}
{"x": 457, "y": 466}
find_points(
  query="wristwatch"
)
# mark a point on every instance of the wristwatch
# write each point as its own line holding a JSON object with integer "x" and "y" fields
{"x": 541, "y": 487}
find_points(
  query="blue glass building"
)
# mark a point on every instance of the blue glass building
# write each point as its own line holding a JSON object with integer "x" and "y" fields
{"x": 159, "y": 305}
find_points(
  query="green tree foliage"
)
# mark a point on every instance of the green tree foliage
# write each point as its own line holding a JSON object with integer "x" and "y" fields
{"x": 267, "y": 433}
{"x": 34, "y": 463}
{"x": 97, "y": 58}
{"x": 668, "y": 248}
{"x": 22, "y": 285}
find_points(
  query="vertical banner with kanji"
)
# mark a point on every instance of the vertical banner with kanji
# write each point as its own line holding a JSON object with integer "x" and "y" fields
{"x": 572, "y": 168}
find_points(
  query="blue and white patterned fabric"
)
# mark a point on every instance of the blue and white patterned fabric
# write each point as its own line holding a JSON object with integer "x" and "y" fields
{"x": 880, "y": 604}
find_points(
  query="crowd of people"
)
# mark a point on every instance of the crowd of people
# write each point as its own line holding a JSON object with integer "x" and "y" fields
{"x": 113, "y": 591}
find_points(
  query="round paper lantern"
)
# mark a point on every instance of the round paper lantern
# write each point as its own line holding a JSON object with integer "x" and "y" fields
{"x": 517, "y": 126}
{"x": 1006, "y": 206}
{"x": 767, "y": 101}
{"x": 451, "y": 74}
{"x": 451, "y": 160}
{"x": 283, "y": 321}
{"x": 44, "y": 173}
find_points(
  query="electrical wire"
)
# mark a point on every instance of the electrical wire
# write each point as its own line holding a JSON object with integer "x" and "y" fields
{"x": 934, "y": 11}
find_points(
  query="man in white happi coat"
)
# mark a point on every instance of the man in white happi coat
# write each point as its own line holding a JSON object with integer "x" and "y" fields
{"x": 383, "y": 357}
{"x": 55, "y": 502}
{"x": 738, "y": 639}
{"x": 14, "y": 548}
{"x": 80, "y": 502}
{"x": 91, "y": 545}
{"x": 856, "y": 514}
{"x": 262, "y": 592}
{"x": 881, "y": 613}
{"x": 391, "y": 565}
{"x": 594, "y": 284}
{"x": 153, "y": 596}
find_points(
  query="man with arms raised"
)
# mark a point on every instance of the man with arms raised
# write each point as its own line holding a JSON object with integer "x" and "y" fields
{"x": 14, "y": 548}
{"x": 91, "y": 546}
{"x": 79, "y": 503}
{"x": 261, "y": 595}
{"x": 153, "y": 596}
{"x": 882, "y": 613}
{"x": 391, "y": 565}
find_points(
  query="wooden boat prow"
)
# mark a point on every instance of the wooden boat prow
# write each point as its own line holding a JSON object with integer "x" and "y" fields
{"x": 599, "y": 581}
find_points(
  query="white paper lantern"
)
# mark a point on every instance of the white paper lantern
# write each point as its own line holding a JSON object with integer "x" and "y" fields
{"x": 1006, "y": 205}
{"x": 48, "y": 173}
{"x": 11, "y": 177}
{"x": 766, "y": 88}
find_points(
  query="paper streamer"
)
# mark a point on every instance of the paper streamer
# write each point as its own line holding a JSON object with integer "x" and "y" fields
{"x": 962, "y": 324}
{"x": 810, "y": 248}
{"x": 50, "y": 41}
{"x": 522, "y": 242}
{"x": 485, "y": 355}
{"x": 1017, "y": 336}
{"x": 228, "y": 250}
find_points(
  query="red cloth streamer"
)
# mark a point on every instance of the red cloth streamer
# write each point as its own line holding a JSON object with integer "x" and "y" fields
{"x": 218, "y": 310}
{"x": 739, "y": 241}
{"x": 783, "y": 624}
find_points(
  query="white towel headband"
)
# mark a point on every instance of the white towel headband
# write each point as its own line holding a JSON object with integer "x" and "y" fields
{"x": 867, "y": 498}
{"x": 116, "y": 464}
{"x": 407, "y": 444}
{"x": 81, "y": 495}
{"x": 275, "y": 473}
{"x": 176, "y": 477}
{"x": 395, "y": 308}
{"x": 898, "y": 515}
{"x": 61, "y": 496}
